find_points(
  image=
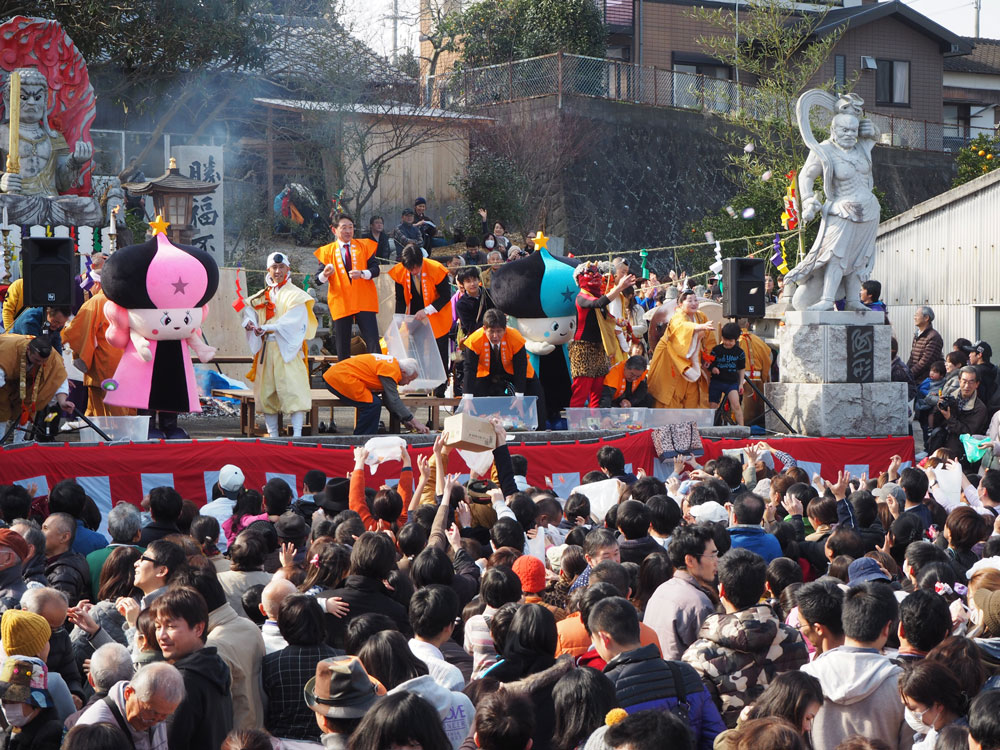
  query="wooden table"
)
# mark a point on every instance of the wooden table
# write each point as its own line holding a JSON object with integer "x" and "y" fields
{"x": 322, "y": 398}
{"x": 317, "y": 363}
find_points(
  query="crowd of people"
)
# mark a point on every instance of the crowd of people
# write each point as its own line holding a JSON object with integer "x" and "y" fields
{"x": 740, "y": 604}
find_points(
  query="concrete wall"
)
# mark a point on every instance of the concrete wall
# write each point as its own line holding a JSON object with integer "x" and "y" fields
{"x": 647, "y": 172}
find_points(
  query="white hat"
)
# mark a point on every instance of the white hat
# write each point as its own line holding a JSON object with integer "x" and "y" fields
{"x": 230, "y": 478}
{"x": 279, "y": 257}
{"x": 710, "y": 511}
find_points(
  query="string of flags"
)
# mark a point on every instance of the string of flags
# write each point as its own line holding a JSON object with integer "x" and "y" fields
{"x": 790, "y": 217}
{"x": 779, "y": 259}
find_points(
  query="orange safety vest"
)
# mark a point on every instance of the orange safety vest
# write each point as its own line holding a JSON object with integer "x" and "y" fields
{"x": 347, "y": 296}
{"x": 356, "y": 377}
{"x": 616, "y": 379}
{"x": 512, "y": 343}
{"x": 431, "y": 273}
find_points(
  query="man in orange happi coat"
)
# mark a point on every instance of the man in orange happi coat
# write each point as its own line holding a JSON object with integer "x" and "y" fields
{"x": 350, "y": 267}
{"x": 424, "y": 291}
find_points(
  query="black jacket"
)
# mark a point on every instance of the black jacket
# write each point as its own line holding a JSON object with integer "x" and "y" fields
{"x": 12, "y": 587}
{"x": 471, "y": 310}
{"x": 205, "y": 716}
{"x": 62, "y": 659}
{"x": 155, "y": 531}
{"x": 873, "y": 536}
{"x": 44, "y": 732}
{"x": 34, "y": 571}
{"x": 363, "y": 595}
{"x": 635, "y": 550}
{"x": 70, "y": 574}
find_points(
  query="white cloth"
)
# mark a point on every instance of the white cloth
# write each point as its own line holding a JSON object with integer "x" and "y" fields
{"x": 221, "y": 509}
{"x": 446, "y": 675}
{"x": 454, "y": 708}
{"x": 273, "y": 641}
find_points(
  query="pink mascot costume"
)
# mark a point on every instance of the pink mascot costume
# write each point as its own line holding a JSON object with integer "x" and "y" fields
{"x": 158, "y": 294}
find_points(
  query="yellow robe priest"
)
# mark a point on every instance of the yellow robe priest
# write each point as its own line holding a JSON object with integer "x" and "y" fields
{"x": 677, "y": 378}
{"x": 85, "y": 334}
{"x": 279, "y": 320}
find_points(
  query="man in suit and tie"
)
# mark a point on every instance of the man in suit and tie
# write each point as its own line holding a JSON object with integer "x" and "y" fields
{"x": 350, "y": 267}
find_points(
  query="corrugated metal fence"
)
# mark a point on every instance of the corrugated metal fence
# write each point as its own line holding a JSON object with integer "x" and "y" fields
{"x": 948, "y": 258}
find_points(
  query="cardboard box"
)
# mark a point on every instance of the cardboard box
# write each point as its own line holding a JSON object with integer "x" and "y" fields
{"x": 466, "y": 432}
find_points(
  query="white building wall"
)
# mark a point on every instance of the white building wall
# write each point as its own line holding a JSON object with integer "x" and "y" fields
{"x": 948, "y": 258}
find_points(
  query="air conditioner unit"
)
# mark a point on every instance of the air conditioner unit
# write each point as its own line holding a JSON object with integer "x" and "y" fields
{"x": 868, "y": 63}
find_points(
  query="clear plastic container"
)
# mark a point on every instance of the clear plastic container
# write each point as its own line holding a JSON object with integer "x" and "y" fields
{"x": 117, "y": 428}
{"x": 513, "y": 416}
{"x": 408, "y": 338}
{"x": 663, "y": 417}
{"x": 605, "y": 419}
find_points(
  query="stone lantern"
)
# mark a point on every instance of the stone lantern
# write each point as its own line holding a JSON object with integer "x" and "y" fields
{"x": 173, "y": 199}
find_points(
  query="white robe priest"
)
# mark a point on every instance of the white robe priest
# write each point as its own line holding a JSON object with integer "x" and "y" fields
{"x": 279, "y": 320}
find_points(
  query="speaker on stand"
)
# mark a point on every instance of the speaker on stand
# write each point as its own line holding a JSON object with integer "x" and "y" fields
{"x": 743, "y": 287}
{"x": 47, "y": 266}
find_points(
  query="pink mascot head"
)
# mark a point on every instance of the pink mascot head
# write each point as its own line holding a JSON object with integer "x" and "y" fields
{"x": 158, "y": 289}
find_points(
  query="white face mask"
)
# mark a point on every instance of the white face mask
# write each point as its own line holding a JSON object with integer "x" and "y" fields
{"x": 15, "y": 714}
{"x": 915, "y": 720}
{"x": 489, "y": 243}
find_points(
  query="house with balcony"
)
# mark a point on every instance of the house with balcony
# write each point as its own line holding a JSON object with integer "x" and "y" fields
{"x": 972, "y": 93}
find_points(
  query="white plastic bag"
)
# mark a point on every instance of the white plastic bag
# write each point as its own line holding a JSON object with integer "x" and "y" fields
{"x": 382, "y": 449}
{"x": 479, "y": 462}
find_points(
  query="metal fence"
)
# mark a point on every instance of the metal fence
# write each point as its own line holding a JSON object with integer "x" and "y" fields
{"x": 575, "y": 75}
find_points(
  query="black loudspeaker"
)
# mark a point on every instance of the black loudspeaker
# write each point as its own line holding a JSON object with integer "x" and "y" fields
{"x": 47, "y": 263}
{"x": 743, "y": 287}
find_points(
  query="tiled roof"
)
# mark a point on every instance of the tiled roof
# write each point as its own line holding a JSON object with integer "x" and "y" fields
{"x": 300, "y": 47}
{"x": 985, "y": 58}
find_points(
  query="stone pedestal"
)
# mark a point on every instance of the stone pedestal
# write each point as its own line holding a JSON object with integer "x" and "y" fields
{"x": 835, "y": 377}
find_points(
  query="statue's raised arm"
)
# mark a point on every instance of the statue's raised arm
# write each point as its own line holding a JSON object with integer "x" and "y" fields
{"x": 844, "y": 251}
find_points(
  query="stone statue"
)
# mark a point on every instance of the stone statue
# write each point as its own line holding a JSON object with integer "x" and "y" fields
{"x": 49, "y": 167}
{"x": 843, "y": 254}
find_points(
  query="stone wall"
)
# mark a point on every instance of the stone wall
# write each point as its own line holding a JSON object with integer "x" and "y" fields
{"x": 646, "y": 173}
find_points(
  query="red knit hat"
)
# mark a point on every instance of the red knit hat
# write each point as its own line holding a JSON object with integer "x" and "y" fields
{"x": 531, "y": 571}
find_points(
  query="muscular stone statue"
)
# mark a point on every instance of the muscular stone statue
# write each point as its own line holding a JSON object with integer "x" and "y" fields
{"x": 844, "y": 251}
{"x": 48, "y": 166}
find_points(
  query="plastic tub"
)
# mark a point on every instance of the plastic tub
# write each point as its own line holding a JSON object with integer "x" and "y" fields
{"x": 605, "y": 419}
{"x": 512, "y": 416}
{"x": 663, "y": 417}
{"x": 408, "y": 338}
{"x": 117, "y": 428}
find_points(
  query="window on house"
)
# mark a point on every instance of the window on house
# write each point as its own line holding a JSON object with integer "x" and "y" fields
{"x": 892, "y": 82}
{"x": 840, "y": 72}
{"x": 987, "y": 323}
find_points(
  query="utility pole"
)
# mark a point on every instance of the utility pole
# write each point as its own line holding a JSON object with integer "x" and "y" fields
{"x": 978, "y": 6}
{"x": 395, "y": 31}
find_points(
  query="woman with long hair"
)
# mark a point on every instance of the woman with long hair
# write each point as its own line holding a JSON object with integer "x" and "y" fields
{"x": 386, "y": 656}
{"x": 793, "y": 696}
{"x": 582, "y": 699}
{"x": 529, "y": 646}
{"x": 117, "y": 580}
{"x": 400, "y": 720}
{"x": 655, "y": 569}
{"x": 933, "y": 699}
